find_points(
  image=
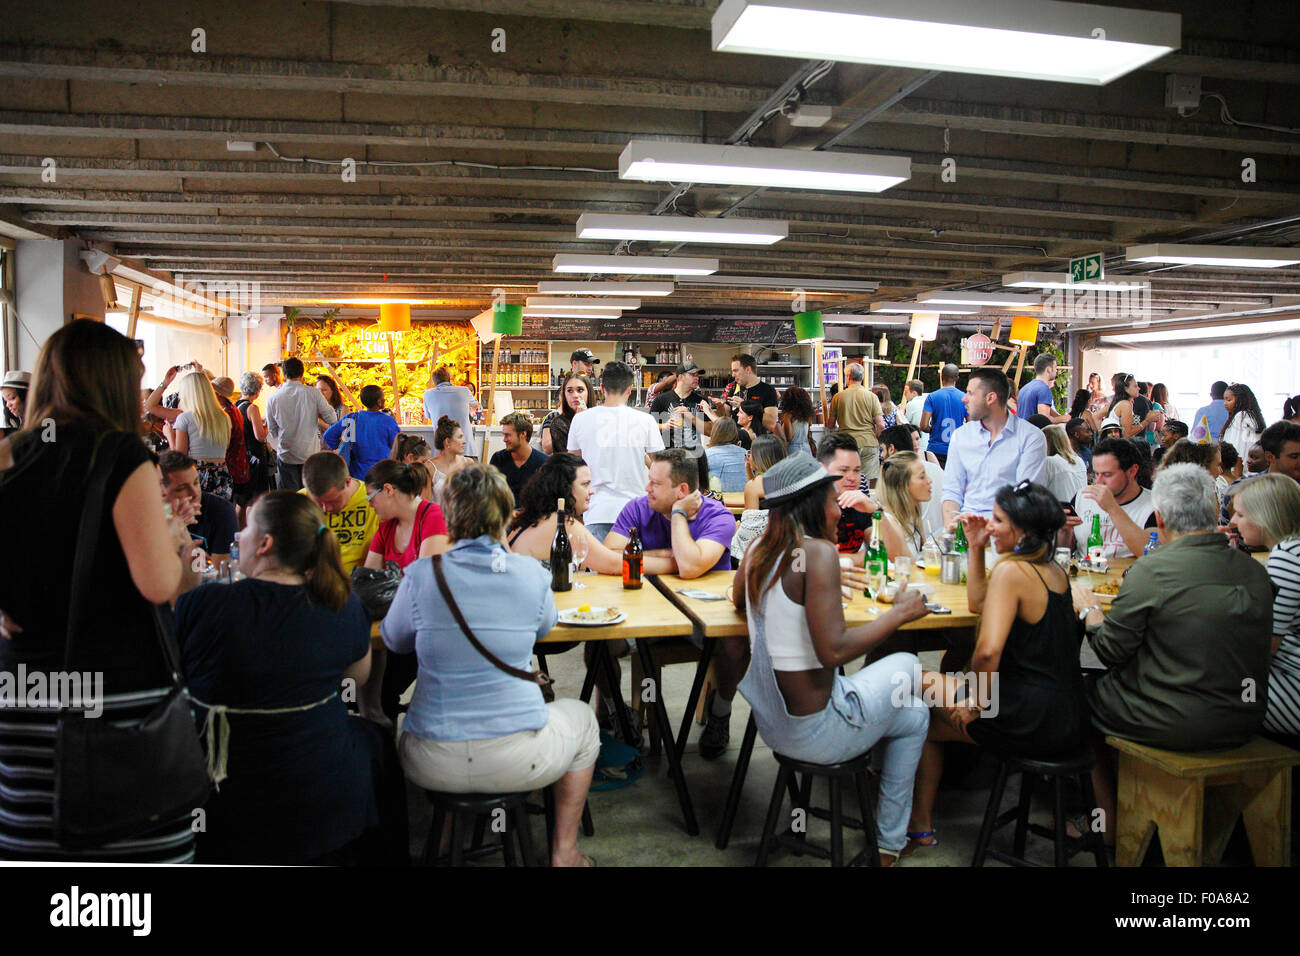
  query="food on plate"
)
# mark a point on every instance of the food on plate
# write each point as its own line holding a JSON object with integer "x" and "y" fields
{"x": 1109, "y": 588}
{"x": 586, "y": 614}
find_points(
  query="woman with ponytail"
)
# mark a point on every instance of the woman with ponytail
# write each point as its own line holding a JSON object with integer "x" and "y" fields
{"x": 1024, "y": 695}
{"x": 270, "y": 661}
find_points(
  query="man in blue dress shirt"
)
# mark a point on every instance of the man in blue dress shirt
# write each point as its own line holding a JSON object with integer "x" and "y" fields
{"x": 993, "y": 448}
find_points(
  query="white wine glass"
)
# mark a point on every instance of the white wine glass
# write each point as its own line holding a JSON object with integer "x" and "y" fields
{"x": 581, "y": 547}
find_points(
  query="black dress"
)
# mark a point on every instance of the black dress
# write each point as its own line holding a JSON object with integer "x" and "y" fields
{"x": 1040, "y": 704}
{"x": 41, "y": 498}
{"x": 301, "y": 784}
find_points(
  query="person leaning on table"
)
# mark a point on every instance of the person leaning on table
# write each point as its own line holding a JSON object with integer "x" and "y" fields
{"x": 1186, "y": 641}
{"x": 471, "y": 727}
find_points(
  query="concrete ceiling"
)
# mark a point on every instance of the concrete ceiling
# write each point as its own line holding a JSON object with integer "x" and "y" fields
{"x": 137, "y": 126}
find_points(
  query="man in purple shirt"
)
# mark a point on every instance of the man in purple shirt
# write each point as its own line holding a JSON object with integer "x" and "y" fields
{"x": 686, "y": 534}
{"x": 697, "y": 543}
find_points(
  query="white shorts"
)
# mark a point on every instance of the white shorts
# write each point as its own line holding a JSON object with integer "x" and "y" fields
{"x": 516, "y": 763}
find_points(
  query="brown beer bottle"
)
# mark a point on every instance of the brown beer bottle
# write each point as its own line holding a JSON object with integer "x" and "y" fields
{"x": 632, "y": 562}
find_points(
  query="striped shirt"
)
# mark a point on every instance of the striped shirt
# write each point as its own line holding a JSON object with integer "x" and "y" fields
{"x": 1284, "y": 672}
{"x": 27, "y": 738}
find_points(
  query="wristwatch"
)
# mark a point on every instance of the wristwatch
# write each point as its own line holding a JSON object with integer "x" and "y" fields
{"x": 1084, "y": 612}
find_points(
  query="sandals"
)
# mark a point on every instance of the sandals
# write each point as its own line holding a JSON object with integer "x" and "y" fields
{"x": 914, "y": 842}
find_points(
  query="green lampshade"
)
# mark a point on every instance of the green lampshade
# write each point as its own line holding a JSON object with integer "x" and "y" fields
{"x": 808, "y": 327}
{"x": 507, "y": 319}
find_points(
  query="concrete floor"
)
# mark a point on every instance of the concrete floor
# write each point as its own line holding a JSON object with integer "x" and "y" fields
{"x": 641, "y": 825}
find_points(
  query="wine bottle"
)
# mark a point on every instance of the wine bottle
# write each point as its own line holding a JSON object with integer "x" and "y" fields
{"x": 632, "y": 555}
{"x": 561, "y": 553}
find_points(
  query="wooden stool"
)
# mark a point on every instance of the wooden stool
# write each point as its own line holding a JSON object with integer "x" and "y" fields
{"x": 479, "y": 807}
{"x": 1194, "y": 801}
{"x": 1057, "y": 770}
{"x": 775, "y": 833}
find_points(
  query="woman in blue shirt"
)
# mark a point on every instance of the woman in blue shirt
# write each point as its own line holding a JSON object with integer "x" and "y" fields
{"x": 726, "y": 457}
{"x": 368, "y": 433}
{"x": 268, "y": 661}
{"x": 472, "y": 727}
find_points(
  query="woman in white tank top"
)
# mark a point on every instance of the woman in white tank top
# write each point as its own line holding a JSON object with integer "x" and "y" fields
{"x": 789, "y": 585}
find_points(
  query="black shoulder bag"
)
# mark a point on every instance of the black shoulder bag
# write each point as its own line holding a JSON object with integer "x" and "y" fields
{"x": 533, "y": 677}
{"x": 114, "y": 780}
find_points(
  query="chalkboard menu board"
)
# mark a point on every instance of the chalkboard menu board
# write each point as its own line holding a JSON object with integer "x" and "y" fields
{"x": 665, "y": 328}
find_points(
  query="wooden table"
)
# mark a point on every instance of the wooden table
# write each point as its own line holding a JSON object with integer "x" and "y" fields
{"x": 734, "y": 501}
{"x": 721, "y": 619}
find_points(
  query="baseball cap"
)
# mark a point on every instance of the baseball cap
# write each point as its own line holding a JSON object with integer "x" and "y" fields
{"x": 584, "y": 355}
{"x": 687, "y": 367}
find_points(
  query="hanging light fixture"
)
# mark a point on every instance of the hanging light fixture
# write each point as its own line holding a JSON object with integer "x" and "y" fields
{"x": 1024, "y": 330}
{"x": 507, "y": 319}
{"x": 808, "y": 328}
{"x": 394, "y": 317}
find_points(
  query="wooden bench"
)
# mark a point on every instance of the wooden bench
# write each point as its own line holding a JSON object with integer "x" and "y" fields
{"x": 1194, "y": 801}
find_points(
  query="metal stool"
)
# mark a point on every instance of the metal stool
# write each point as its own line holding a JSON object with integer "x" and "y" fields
{"x": 479, "y": 807}
{"x": 738, "y": 784}
{"x": 835, "y": 774}
{"x": 1078, "y": 765}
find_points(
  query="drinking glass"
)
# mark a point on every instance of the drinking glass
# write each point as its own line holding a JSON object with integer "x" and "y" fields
{"x": 581, "y": 546}
{"x": 1063, "y": 559}
{"x": 903, "y": 568}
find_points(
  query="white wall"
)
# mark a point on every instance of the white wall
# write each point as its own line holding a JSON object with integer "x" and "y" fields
{"x": 38, "y": 291}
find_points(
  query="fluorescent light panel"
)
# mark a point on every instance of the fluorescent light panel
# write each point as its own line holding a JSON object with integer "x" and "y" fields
{"x": 635, "y": 265}
{"x": 577, "y": 305}
{"x": 1282, "y": 327}
{"x": 643, "y": 289}
{"x": 1061, "y": 280}
{"x": 1245, "y": 257}
{"x": 904, "y": 307}
{"x": 993, "y": 300}
{"x": 787, "y": 283}
{"x": 1027, "y": 39}
{"x": 755, "y": 166}
{"x": 744, "y": 232}
{"x": 541, "y": 313}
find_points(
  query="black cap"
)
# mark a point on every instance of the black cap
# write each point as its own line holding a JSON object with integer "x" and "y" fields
{"x": 584, "y": 355}
{"x": 687, "y": 367}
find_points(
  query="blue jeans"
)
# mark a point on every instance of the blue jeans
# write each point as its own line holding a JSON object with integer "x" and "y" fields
{"x": 875, "y": 707}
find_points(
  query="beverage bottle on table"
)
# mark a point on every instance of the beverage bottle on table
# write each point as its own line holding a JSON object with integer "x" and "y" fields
{"x": 632, "y": 561}
{"x": 959, "y": 545}
{"x": 561, "y": 553}
{"x": 875, "y": 562}
{"x": 1094, "y": 536}
{"x": 1153, "y": 542}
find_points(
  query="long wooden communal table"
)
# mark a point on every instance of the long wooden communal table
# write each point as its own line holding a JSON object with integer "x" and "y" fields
{"x": 734, "y": 501}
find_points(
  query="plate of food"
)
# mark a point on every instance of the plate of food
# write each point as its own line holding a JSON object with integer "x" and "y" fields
{"x": 1107, "y": 590}
{"x": 588, "y": 616}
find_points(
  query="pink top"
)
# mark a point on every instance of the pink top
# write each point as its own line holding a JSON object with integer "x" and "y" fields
{"x": 428, "y": 522}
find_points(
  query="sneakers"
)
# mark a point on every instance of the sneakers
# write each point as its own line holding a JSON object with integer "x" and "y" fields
{"x": 717, "y": 732}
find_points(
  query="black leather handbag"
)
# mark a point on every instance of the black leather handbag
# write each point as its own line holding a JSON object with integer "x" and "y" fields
{"x": 116, "y": 780}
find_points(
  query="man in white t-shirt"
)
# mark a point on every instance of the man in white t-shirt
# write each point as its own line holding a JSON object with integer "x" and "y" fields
{"x": 613, "y": 440}
{"x": 914, "y": 408}
{"x": 1126, "y": 509}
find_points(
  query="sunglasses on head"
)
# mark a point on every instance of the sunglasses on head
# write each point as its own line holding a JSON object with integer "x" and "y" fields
{"x": 1022, "y": 489}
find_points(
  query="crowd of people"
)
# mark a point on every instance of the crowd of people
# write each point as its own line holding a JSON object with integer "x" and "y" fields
{"x": 293, "y": 502}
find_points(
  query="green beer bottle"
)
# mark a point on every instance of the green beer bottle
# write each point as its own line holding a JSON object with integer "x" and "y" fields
{"x": 959, "y": 545}
{"x": 876, "y": 559}
{"x": 1094, "y": 536}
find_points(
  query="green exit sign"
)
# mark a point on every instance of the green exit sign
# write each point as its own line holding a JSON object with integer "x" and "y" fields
{"x": 1087, "y": 268}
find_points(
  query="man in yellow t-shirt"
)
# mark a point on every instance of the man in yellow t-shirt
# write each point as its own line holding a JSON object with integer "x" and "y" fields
{"x": 348, "y": 514}
{"x": 857, "y": 412}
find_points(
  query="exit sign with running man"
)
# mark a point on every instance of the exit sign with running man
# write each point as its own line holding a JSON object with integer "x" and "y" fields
{"x": 1087, "y": 268}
